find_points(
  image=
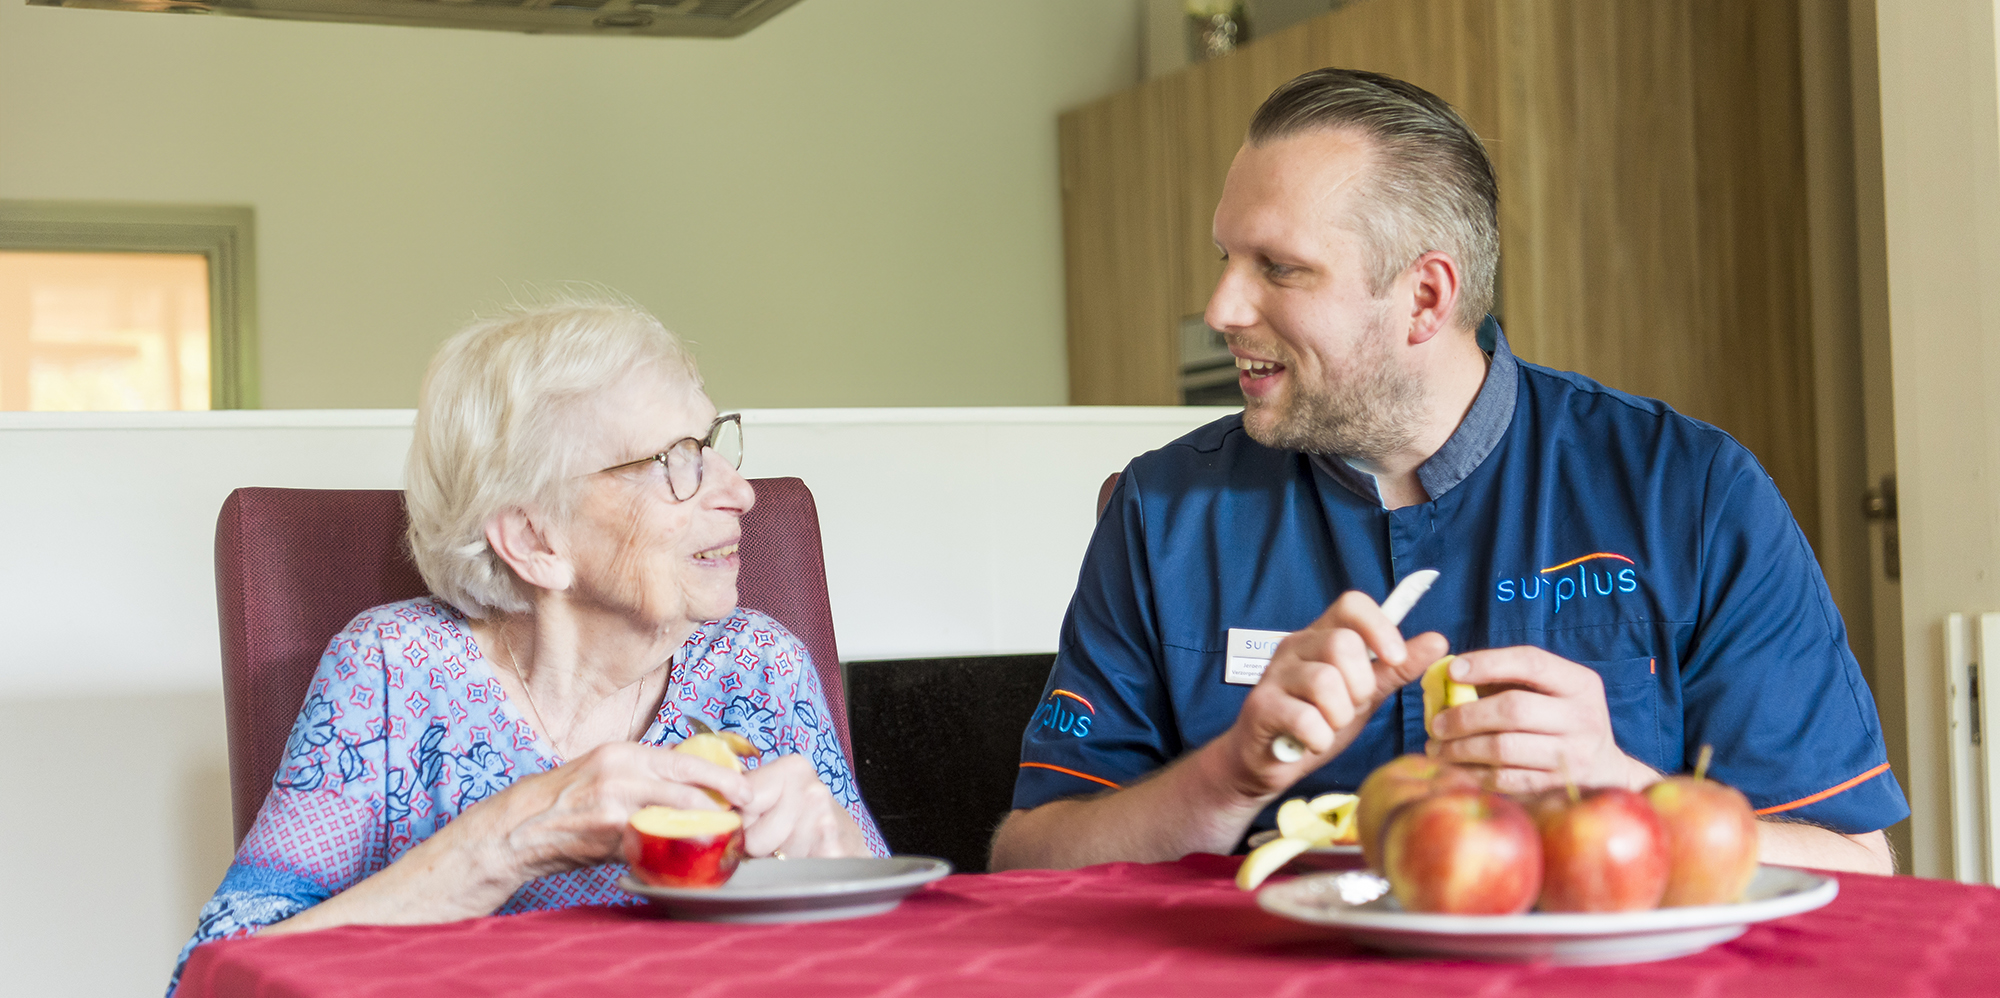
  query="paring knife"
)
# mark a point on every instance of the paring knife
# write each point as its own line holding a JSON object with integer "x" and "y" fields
{"x": 1285, "y": 748}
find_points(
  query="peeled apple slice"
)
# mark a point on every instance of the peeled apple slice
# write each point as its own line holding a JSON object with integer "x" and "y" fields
{"x": 1441, "y": 691}
{"x": 712, "y": 748}
{"x": 716, "y": 749}
{"x": 1302, "y": 825}
{"x": 1298, "y": 820}
{"x": 1267, "y": 859}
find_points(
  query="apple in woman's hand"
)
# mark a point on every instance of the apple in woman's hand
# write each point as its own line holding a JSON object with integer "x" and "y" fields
{"x": 671, "y": 847}
{"x": 1462, "y": 852}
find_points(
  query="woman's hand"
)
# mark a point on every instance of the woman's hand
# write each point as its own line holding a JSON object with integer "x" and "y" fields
{"x": 576, "y": 814}
{"x": 791, "y": 811}
{"x": 570, "y": 817}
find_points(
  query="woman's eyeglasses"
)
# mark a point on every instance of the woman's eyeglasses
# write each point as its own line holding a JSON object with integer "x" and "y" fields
{"x": 683, "y": 460}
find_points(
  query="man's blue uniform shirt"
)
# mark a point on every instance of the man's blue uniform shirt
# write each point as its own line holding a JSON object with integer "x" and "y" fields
{"x": 1603, "y": 527}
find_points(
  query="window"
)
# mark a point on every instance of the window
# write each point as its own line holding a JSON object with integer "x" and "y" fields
{"x": 125, "y": 307}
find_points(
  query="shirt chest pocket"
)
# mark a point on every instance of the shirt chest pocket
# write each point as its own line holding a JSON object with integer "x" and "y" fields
{"x": 1632, "y": 692}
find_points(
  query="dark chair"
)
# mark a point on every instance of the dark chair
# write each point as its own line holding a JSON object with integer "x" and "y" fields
{"x": 937, "y": 744}
{"x": 293, "y": 566}
{"x": 1104, "y": 492}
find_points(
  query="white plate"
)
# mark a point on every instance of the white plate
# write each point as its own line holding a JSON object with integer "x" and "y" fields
{"x": 1358, "y": 904}
{"x": 797, "y": 890}
{"x": 1337, "y": 850}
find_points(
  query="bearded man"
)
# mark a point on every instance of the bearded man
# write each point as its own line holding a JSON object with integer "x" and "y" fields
{"x": 1629, "y": 577}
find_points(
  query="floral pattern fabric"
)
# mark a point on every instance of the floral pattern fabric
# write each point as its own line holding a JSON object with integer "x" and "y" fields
{"x": 404, "y": 727}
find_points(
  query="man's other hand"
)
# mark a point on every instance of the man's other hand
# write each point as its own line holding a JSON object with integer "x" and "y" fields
{"x": 1548, "y": 725}
{"x": 1320, "y": 689}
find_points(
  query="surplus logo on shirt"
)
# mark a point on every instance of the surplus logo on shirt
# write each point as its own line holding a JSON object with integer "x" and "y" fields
{"x": 1058, "y": 712}
{"x": 1573, "y": 579}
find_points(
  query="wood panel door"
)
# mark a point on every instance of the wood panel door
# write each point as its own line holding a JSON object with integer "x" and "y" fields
{"x": 1653, "y": 211}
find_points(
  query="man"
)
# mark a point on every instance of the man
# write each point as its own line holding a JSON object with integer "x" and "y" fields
{"x": 1627, "y": 578}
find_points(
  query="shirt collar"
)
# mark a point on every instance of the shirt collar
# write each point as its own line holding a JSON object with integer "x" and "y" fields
{"x": 1477, "y": 434}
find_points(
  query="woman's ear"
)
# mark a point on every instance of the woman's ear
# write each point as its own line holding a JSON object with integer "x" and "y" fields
{"x": 528, "y": 547}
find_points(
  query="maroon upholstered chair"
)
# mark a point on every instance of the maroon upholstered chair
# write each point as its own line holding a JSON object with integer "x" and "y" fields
{"x": 293, "y": 566}
{"x": 1104, "y": 493}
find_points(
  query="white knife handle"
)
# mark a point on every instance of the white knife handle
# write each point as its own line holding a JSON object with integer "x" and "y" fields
{"x": 1286, "y": 748}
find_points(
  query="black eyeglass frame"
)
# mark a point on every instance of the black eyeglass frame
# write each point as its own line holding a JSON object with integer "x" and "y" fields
{"x": 702, "y": 446}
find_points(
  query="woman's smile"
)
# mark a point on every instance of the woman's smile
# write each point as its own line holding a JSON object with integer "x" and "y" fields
{"x": 719, "y": 556}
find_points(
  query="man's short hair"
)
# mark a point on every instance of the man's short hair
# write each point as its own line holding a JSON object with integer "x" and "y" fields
{"x": 1429, "y": 187}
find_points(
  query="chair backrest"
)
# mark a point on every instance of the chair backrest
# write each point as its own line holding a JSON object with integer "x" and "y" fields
{"x": 1104, "y": 493}
{"x": 293, "y": 566}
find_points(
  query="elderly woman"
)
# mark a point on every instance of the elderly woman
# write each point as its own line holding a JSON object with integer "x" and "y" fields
{"x": 575, "y": 508}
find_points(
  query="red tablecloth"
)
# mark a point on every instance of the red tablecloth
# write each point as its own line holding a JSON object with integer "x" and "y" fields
{"x": 1122, "y": 929}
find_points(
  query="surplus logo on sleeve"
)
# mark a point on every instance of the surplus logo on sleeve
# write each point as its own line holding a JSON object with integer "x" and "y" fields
{"x": 1059, "y": 712}
{"x": 1577, "y": 578}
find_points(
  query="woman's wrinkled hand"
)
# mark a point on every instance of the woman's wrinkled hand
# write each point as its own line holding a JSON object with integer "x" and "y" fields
{"x": 575, "y": 815}
{"x": 791, "y": 812}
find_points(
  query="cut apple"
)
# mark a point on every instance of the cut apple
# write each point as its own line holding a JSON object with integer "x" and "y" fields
{"x": 678, "y": 823}
{"x": 671, "y": 847}
{"x": 1442, "y": 692}
{"x": 1268, "y": 859}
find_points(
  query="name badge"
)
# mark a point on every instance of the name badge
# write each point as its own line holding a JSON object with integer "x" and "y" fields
{"x": 1249, "y": 652}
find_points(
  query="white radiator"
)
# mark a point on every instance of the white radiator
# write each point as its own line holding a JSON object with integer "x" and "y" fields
{"x": 1972, "y": 687}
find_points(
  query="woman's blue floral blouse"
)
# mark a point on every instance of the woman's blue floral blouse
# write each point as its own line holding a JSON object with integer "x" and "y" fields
{"x": 404, "y": 727}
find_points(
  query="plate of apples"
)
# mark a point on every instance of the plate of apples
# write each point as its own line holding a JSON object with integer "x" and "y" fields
{"x": 689, "y": 864}
{"x": 1601, "y": 875}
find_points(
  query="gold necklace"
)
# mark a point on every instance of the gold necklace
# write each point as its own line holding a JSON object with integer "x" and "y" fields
{"x": 514, "y": 666}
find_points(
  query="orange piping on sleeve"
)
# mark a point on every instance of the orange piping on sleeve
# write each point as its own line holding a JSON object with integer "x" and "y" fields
{"x": 1822, "y": 795}
{"x": 1072, "y": 772}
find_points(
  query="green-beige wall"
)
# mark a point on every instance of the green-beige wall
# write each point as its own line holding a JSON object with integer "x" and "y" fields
{"x": 854, "y": 204}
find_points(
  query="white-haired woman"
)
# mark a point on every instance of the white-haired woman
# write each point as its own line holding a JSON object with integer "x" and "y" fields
{"x": 575, "y": 508}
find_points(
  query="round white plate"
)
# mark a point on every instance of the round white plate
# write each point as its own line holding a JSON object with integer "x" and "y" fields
{"x": 797, "y": 890}
{"x": 1337, "y": 850}
{"x": 1357, "y": 903}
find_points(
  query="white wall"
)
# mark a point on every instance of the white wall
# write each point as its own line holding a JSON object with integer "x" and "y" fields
{"x": 1941, "y": 177}
{"x": 856, "y": 203}
{"x": 947, "y": 532}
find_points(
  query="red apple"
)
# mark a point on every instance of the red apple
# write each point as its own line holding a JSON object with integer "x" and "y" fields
{"x": 1711, "y": 840}
{"x": 1603, "y": 849}
{"x": 1401, "y": 779}
{"x": 1462, "y": 852}
{"x": 670, "y": 847}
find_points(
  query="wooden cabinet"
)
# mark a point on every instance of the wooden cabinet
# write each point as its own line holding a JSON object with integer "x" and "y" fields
{"x": 1653, "y": 209}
